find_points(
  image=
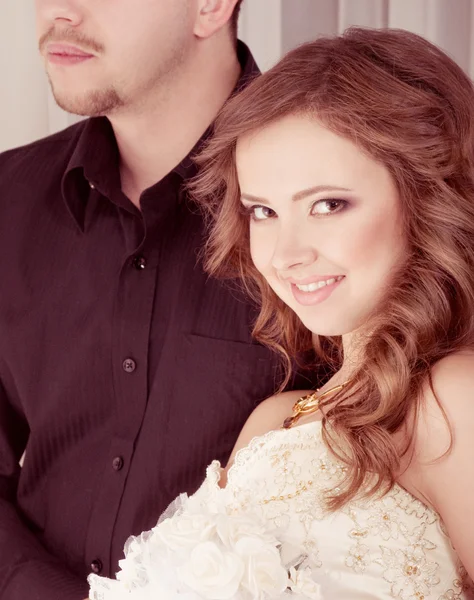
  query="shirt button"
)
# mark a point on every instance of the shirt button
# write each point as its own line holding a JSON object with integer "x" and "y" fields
{"x": 96, "y": 566}
{"x": 129, "y": 365}
{"x": 139, "y": 262}
{"x": 117, "y": 463}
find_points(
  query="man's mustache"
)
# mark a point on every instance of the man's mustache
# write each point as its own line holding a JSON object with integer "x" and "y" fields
{"x": 71, "y": 36}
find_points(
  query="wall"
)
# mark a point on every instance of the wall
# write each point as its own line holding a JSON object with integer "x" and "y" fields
{"x": 270, "y": 27}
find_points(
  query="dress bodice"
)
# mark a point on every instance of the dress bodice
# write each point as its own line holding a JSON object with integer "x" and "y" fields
{"x": 390, "y": 546}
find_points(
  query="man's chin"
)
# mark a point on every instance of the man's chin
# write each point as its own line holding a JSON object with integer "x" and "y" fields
{"x": 92, "y": 104}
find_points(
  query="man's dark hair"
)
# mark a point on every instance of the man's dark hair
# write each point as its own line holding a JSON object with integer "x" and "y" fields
{"x": 235, "y": 18}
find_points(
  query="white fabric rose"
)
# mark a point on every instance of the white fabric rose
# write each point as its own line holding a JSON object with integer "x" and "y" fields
{"x": 212, "y": 572}
{"x": 182, "y": 533}
{"x": 302, "y": 583}
{"x": 264, "y": 572}
{"x": 232, "y": 529}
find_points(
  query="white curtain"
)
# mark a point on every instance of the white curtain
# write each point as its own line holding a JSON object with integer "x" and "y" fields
{"x": 270, "y": 27}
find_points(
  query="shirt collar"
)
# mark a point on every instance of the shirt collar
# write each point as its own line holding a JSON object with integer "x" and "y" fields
{"x": 93, "y": 165}
{"x": 95, "y": 159}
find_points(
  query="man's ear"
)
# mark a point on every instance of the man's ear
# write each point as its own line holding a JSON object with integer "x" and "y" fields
{"x": 212, "y": 15}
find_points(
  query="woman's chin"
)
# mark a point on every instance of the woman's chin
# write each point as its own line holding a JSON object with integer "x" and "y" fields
{"x": 329, "y": 329}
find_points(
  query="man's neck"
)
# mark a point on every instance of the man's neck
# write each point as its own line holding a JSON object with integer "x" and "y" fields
{"x": 154, "y": 139}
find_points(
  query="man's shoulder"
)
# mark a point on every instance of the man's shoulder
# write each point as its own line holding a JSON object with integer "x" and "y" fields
{"x": 40, "y": 156}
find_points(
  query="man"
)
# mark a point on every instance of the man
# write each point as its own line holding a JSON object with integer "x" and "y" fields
{"x": 124, "y": 370}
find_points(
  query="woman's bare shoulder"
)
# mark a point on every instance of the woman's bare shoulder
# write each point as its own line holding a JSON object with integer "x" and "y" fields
{"x": 441, "y": 467}
{"x": 268, "y": 415}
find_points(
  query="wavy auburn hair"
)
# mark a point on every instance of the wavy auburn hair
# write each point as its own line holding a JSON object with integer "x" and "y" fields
{"x": 411, "y": 108}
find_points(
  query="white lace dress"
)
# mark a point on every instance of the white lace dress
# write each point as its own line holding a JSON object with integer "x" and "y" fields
{"x": 388, "y": 547}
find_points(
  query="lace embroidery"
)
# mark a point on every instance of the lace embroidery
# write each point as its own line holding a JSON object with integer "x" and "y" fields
{"x": 286, "y": 474}
{"x": 359, "y": 558}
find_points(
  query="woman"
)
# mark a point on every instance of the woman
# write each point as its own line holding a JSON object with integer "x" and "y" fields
{"x": 340, "y": 186}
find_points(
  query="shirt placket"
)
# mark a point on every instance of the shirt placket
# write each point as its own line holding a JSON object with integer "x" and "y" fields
{"x": 130, "y": 341}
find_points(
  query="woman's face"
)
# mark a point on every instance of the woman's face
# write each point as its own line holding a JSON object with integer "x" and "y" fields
{"x": 325, "y": 222}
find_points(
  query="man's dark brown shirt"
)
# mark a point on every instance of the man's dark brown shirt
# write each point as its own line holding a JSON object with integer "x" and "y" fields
{"x": 124, "y": 369}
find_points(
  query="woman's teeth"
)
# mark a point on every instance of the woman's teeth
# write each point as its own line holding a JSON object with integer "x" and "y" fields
{"x": 313, "y": 287}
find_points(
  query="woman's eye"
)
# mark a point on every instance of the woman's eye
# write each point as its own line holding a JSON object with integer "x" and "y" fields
{"x": 260, "y": 213}
{"x": 328, "y": 207}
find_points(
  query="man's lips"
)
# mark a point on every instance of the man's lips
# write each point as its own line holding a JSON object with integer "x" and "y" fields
{"x": 67, "y": 50}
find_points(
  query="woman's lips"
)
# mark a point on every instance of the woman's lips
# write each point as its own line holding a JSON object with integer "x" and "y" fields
{"x": 309, "y": 296}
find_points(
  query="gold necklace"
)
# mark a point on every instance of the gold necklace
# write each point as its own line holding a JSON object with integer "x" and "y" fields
{"x": 309, "y": 404}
